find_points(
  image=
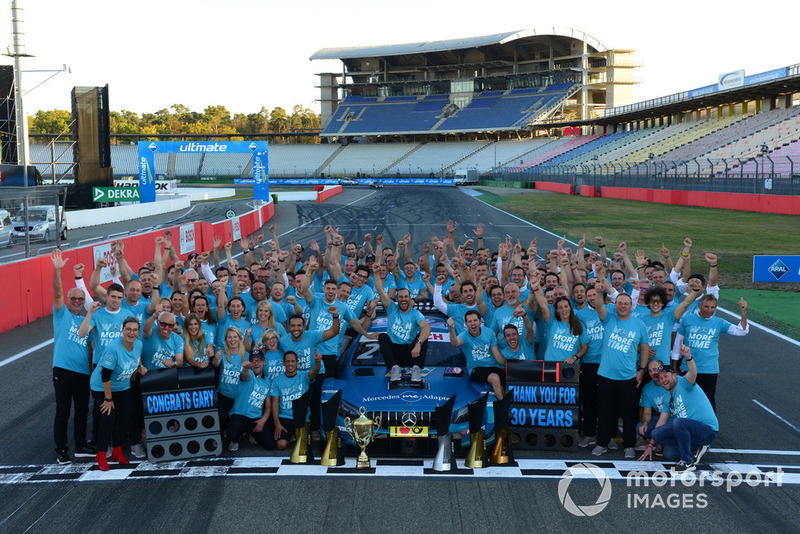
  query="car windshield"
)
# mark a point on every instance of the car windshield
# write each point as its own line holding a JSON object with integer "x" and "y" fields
{"x": 440, "y": 354}
{"x": 33, "y": 215}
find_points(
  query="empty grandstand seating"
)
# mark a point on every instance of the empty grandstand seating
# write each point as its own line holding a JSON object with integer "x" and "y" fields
{"x": 489, "y": 110}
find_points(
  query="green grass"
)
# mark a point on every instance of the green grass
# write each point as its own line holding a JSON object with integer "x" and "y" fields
{"x": 734, "y": 236}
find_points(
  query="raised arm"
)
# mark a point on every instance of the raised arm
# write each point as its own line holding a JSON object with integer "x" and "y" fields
{"x": 385, "y": 300}
{"x": 58, "y": 284}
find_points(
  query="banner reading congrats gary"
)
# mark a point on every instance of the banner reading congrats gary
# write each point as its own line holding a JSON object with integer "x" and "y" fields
{"x": 149, "y": 149}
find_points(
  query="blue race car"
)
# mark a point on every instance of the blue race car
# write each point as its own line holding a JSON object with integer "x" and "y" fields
{"x": 406, "y": 409}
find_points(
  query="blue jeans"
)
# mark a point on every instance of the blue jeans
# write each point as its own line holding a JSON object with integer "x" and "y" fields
{"x": 686, "y": 434}
{"x": 670, "y": 452}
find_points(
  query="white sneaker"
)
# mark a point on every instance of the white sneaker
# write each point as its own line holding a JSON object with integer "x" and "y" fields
{"x": 613, "y": 445}
{"x": 233, "y": 446}
{"x": 138, "y": 451}
{"x": 699, "y": 454}
{"x": 641, "y": 443}
{"x": 395, "y": 374}
{"x": 416, "y": 374}
{"x": 599, "y": 450}
{"x": 587, "y": 441}
{"x": 630, "y": 453}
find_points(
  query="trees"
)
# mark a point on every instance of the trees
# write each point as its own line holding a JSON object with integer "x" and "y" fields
{"x": 179, "y": 119}
{"x": 54, "y": 121}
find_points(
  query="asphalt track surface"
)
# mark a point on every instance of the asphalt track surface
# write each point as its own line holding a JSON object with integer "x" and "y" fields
{"x": 256, "y": 491}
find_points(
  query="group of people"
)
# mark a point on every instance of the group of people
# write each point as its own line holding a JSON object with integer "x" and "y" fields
{"x": 272, "y": 324}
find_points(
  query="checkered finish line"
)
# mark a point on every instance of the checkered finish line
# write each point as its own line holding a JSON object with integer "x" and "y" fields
{"x": 529, "y": 469}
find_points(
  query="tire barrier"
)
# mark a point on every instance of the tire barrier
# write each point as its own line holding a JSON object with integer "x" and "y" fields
{"x": 181, "y": 419}
{"x": 544, "y": 405}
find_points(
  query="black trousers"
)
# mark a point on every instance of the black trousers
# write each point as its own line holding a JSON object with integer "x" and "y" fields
{"x": 618, "y": 398}
{"x": 708, "y": 383}
{"x": 71, "y": 388}
{"x": 589, "y": 398}
{"x": 240, "y": 425}
{"x": 400, "y": 354}
{"x": 113, "y": 428}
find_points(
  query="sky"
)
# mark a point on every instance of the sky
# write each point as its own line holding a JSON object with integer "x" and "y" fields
{"x": 249, "y": 54}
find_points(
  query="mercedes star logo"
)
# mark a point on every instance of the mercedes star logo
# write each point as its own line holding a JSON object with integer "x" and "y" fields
{"x": 409, "y": 419}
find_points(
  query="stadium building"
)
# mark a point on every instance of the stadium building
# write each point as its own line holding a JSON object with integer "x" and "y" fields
{"x": 502, "y": 84}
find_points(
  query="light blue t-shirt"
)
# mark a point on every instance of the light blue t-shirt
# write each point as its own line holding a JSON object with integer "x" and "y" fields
{"x": 702, "y": 336}
{"x": 250, "y": 395}
{"x": 403, "y": 327}
{"x": 288, "y": 390}
{"x": 593, "y": 327}
{"x": 659, "y": 330}
{"x": 654, "y": 397}
{"x": 524, "y": 352}
{"x": 561, "y": 342}
{"x": 689, "y": 401}
{"x": 69, "y": 351}
{"x": 121, "y": 362}
{"x": 273, "y": 363}
{"x": 106, "y": 328}
{"x": 156, "y": 350}
{"x": 505, "y": 315}
{"x": 478, "y": 349}
{"x": 226, "y": 322}
{"x": 621, "y": 340}
{"x": 321, "y": 319}
{"x": 229, "y": 372}
{"x": 304, "y": 348}
{"x": 414, "y": 286}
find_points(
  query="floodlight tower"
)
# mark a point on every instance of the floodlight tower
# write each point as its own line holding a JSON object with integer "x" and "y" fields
{"x": 17, "y": 52}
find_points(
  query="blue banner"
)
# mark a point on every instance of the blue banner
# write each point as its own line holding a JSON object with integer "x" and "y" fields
{"x": 776, "y": 269}
{"x": 147, "y": 169}
{"x": 147, "y": 161}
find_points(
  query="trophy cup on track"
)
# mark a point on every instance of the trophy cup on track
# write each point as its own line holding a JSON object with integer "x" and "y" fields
{"x": 363, "y": 430}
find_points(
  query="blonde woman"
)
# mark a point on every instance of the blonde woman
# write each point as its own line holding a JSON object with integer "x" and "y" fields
{"x": 229, "y": 360}
{"x": 197, "y": 351}
{"x": 265, "y": 316}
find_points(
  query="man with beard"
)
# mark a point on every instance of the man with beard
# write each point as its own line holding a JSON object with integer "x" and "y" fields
{"x": 406, "y": 341}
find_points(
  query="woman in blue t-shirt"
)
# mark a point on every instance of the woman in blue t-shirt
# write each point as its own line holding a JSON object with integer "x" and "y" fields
{"x": 229, "y": 361}
{"x": 565, "y": 338}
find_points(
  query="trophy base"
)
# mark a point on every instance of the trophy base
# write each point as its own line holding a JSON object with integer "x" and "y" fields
{"x": 363, "y": 461}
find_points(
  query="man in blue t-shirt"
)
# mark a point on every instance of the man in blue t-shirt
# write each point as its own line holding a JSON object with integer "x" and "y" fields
{"x": 406, "y": 341}
{"x": 285, "y": 389}
{"x": 622, "y": 363}
{"x": 693, "y": 425}
{"x": 251, "y": 407}
{"x": 700, "y": 332}
{"x": 479, "y": 345}
{"x": 71, "y": 366}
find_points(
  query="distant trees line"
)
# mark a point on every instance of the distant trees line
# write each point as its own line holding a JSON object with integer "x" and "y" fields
{"x": 178, "y": 119}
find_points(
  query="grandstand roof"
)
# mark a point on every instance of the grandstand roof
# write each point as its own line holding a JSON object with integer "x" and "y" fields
{"x": 452, "y": 44}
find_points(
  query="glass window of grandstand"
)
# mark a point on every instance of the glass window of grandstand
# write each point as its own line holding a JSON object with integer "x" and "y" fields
{"x": 462, "y": 86}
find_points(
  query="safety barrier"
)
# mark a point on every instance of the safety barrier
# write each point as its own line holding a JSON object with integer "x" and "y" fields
{"x": 28, "y": 294}
{"x": 789, "y": 205}
{"x": 589, "y": 191}
{"x": 328, "y": 192}
{"x": 555, "y": 187}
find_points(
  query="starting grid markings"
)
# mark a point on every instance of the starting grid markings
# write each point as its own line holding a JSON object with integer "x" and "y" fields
{"x": 528, "y": 469}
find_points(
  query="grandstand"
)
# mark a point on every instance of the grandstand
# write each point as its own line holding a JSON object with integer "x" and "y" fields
{"x": 506, "y": 82}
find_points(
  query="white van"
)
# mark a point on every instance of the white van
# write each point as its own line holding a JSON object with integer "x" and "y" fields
{"x": 5, "y": 228}
{"x": 41, "y": 223}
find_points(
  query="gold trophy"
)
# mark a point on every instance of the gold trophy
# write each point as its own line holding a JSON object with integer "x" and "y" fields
{"x": 363, "y": 430}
